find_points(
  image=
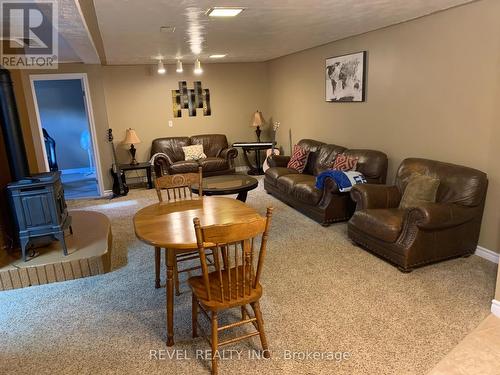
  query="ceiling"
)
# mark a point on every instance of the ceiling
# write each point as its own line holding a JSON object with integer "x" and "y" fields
{"x": 74, "y": 43}
{"x": 266, "y": 29}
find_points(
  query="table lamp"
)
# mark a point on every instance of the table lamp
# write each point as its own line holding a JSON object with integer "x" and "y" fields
{"x": 258, "y": 121}
{"x": 131, "y": 138}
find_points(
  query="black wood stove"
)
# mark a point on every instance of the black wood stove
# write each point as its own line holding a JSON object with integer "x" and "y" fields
{"x": 36, "y": 202}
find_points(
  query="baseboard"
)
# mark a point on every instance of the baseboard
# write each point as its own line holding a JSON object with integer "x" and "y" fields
{"x": 487, "y": 254}
{"x": 495, "y": 307}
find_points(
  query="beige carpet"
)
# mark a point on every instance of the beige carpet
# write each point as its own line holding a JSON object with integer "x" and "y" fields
{"x": 321, "y": 294}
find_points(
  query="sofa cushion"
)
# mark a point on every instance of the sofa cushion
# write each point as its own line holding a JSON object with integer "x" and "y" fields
{"x": 322, "y": 159}
{"x": 287, "y": 182}
{"x": 213, "y": 164}
{"x": 213, "y": 144}
{"x": 183, "y": 166}
{"x": 344, "y": 163}
{"x": 306, "y": 191}
{"x": 384, "y": 224}
{"x": 299, "y": 159}
{"x": 272, "y": 174}
{"x": 193, "y": 152}
{"x": 419, "y": 190}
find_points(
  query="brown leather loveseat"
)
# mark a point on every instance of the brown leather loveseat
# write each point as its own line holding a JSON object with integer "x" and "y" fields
{"x": 219, "y": 159}
{"x": 298, "y": 190}
{"x": 413, "y": 237}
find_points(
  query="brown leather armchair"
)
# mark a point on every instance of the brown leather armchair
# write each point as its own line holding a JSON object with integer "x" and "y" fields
{"x": 432, "y": 232}
{"x": 219, "y": 160}
{"x": 327, "y": 205}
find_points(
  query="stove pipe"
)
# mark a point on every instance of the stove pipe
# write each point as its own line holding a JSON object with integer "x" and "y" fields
{"x": 11, "y": 128}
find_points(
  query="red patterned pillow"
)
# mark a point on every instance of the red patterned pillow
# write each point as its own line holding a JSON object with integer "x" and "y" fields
{"x": 345, "y": 163}
{"x": 298, "y": 160}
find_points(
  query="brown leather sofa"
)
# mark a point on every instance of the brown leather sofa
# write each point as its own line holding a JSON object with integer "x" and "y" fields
{"x": 298, "y": 189}
{"x": 413, "y": 237}
{"x": 219, "y": 159}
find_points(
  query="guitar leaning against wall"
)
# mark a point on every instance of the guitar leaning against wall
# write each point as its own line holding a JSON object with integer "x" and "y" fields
{"x": 120, "y": 188}
{"x": 272, "y": 150}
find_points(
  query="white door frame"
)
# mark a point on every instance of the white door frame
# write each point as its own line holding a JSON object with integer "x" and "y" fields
{"x": 90, "y": 116}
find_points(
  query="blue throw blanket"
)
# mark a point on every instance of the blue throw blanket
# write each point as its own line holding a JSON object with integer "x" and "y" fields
{"x": 344, "y": 180}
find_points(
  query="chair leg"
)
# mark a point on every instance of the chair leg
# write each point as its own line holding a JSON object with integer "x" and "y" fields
{"x": 260, "y": 324}
{"x": 176, "y": 279}
{"x": 243, "y": 313}
{"x": 215, "y": 342}
{"x": 194, "y": 316}
{"x": 157, "y": 266}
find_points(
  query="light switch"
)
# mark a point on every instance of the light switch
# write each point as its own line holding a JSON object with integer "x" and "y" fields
{"x": 170, "y": 124}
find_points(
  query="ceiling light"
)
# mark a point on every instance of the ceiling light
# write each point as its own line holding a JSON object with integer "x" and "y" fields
{"x": 197, "y": 67}
{"x": 161, "y": 67}
{"x": 179, "y": 67}
{"x": 224, "y": 12}
{"x": 217, "y": 56}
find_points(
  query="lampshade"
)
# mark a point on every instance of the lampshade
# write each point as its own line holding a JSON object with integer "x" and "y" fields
{"x": 131, "y": 137}
{"x": 258, "y": 119}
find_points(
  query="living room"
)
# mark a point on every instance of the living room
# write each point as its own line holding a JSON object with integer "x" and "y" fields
{"x": 423, "y": 297}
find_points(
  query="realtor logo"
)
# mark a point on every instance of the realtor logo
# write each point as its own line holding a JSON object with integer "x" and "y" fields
{"x": 29, "y": 34}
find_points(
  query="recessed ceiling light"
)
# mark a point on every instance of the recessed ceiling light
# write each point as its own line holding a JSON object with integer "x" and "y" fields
{"x": 217, "y": 56}
{"x": 224, "y": 12}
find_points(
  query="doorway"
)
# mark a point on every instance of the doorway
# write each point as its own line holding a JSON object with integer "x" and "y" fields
{"x": 67, "y": 132}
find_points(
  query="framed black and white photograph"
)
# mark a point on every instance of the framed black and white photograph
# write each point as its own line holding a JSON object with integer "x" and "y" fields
{"x": 345, "y": 78}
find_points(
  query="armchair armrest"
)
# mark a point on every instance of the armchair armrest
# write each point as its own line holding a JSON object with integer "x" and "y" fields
{"x": 278, "y": 160}
{"x": 440, "y": 215}
{"x": 375, "y": 196}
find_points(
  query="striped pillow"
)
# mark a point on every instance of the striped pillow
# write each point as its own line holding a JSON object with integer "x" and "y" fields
{"x": 345, "y": 163}
{"x": 298, "y": 160}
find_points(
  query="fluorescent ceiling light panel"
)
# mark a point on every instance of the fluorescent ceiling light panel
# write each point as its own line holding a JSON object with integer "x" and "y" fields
{"x": 224, "y": 12}
{"x": 217, "y": 56}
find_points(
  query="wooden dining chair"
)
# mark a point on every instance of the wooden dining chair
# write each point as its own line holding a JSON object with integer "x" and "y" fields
{"x": 235, "y": 281}
{"x": 177, "y": 187}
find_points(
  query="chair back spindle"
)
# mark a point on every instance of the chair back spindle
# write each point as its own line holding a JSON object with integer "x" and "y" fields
{"x": 232, "y": 245}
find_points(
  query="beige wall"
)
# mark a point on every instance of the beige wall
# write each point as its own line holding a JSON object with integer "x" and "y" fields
{"x": 432, "y": 91}
{"x": 137, "y": 97}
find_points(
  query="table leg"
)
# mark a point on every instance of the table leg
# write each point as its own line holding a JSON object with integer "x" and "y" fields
{"x": 150, "y": 180}
{"x": 170, "y": 255}
{"x": 157, "y": 266}
{"x": 242, "y": 196}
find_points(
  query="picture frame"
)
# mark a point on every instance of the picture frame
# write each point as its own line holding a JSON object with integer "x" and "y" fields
{"x": 345, "y": 78}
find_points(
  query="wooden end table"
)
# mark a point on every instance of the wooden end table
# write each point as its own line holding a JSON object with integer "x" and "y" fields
{"x": 256, "y": 147}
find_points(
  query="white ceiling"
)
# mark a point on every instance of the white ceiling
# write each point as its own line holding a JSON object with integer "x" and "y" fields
{"x": 267, "y": 29}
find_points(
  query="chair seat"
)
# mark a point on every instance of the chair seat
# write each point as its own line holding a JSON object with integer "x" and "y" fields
{"x": 198, "y": 287}
{"x": 384, "y": 224}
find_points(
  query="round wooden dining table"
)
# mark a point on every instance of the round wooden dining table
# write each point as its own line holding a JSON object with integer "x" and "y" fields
{"x": 170, "y": 225}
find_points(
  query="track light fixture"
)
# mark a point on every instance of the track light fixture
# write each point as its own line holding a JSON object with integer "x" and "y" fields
{"x": 161, "y": 67}
{"x": 179, "y": 67}
{"x": 197, "y": 67}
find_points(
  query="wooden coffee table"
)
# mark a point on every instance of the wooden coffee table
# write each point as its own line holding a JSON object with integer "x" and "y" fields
{"x": 228, "y": 184}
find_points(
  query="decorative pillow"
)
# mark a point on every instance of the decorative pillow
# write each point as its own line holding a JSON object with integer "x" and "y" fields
{"x": 419, "y": 190}
{"x": 345, "y": 163}
{"x": 298, "y": 160}
{"x": 194, "y": 152}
